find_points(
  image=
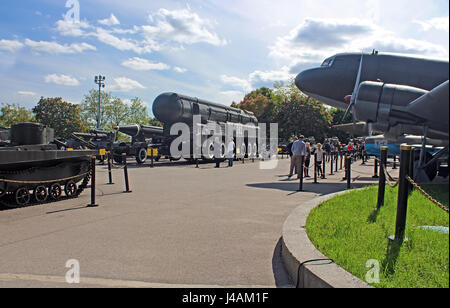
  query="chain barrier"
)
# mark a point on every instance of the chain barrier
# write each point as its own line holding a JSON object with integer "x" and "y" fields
{"x": 392, "y": 182}
{"x": 426, "y": 195}
{"x": 45, "y": 182}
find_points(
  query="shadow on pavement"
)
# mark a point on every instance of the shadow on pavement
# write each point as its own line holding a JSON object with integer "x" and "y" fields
{"x": 282, "y": 279}
{"x": 321, "y": 188}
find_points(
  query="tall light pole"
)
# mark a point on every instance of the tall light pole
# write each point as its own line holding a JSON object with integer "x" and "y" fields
{"x": 100, "y": 80}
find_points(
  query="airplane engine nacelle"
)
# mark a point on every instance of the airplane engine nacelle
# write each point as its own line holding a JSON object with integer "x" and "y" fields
{"x": 385, "y": 104}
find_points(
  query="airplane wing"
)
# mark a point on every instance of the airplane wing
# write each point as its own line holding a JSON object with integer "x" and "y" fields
{"x": 358, "y": 129}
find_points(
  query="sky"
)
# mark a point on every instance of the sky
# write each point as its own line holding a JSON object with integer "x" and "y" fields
{"x": 214, "y": 50}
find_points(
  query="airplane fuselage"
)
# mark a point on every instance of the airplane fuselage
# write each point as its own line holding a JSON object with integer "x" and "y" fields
{"x": 336, "y": 78}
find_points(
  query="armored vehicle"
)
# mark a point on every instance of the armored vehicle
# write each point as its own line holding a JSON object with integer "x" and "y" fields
{"x": 33, "y": 170}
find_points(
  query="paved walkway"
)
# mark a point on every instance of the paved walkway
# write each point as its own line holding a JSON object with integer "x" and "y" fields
{"x": 181, "y": 226}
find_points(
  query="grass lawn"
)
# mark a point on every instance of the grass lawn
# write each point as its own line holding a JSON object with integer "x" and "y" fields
{"x": 349, "y": 231}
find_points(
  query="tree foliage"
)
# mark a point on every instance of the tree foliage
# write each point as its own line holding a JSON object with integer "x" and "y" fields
{"x": 295, "y": 113}
{"x": 11, "y": 114}
{"x": 114, "y": 112}
{"x": 62, "y": 116}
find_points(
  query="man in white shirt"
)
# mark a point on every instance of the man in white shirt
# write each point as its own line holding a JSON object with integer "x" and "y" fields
{"x": 231, "y": 147}
{"x": 298, "y": 150}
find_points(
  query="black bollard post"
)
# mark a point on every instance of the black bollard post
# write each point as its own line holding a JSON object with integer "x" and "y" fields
{"x": 395, "y": 163}
{"x": 345, "y": 166}
{"x": 196, "y": 163}
{"x": 349, "y": 172}
{"x": 315, "y": 169}
{"x": 336, "y": 157}
{"x": 109, "y": 169}
{"x": 324, "y": 166}
{"x": 302, "y": 164}
{"x": 382, "y": 178}
{"x": 342, "y": 158}
{"x": 363, "y": 156}
{"x": 403, "y": 191}
{"x": 125, "y": 171}
{"x": 93, "y": 204}
{"x": 375, "y": 169}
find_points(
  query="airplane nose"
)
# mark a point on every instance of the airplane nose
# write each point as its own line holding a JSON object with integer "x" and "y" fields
{"x": 306, "y": 81}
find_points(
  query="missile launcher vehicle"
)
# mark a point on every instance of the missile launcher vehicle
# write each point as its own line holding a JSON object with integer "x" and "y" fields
{"x": 143, "y": 139}
{"x": 171, "y": 108}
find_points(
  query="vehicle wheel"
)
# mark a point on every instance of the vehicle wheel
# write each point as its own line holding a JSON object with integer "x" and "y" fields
{"x": 55, "y": 191}
{"x": 22, "y": 196}
{"x": 40, "y": 194}
{"x": 141, "y": 156}
{"x": 118, "y": 160}
{"x": 70, "y": 189}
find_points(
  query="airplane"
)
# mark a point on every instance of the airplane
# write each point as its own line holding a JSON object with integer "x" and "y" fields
{"x": 396, "y": 95}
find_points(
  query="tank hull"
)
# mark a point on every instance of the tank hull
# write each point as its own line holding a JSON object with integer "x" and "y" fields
{"x": 38, "y": 173}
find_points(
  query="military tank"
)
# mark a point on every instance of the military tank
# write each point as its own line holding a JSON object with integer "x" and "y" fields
{"x": 33, "y": 170}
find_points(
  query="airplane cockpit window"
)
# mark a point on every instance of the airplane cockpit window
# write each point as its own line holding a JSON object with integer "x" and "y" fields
{"x": 328, "y": 62}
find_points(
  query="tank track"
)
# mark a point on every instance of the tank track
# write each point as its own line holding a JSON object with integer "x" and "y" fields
{"x": 7, "y": 201}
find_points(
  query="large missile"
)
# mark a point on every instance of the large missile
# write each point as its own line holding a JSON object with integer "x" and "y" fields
{"x": 171, "y": 108}
{"x": 140, "y": 130}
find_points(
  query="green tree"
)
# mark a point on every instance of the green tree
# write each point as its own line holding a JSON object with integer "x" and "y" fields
{"x": 89, "y": 108}
{"x": 301, "y": 115}
{"x": 262, "y": 102}
{"x": 62, "y": 116}
{"x": 11, "y": 114}
{"x": 337, "y": 115}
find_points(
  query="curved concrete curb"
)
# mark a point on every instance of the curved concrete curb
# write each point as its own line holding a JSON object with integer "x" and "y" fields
{"x": 298, "y": 249}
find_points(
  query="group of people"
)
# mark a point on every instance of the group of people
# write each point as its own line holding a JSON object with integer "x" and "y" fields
{"x": 298, "y": 148}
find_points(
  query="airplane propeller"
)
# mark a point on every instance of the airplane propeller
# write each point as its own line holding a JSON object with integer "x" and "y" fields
{"x": 352, "y": 99}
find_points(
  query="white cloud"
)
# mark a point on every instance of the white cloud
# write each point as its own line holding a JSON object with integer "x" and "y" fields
{"x": 26, "y": 93}
{"x": 10, "y": 45}
{"x": 236, "y": 82}
{"x": 111, "y": 21}
{"x": 232, "y": 96}
{"x": 62, "y": 79}
{"x": 316, "y": 39}
{"x": 180, "y": 69}
{"x": 124, "y": 44}
{"x": 259, "y": 79}
{"x": 180, "y": 26}
{"x": 70, "y": 28}
{"x": 438, "y": 23}
{"x": 140, "y": 64}
{"x": 56, "y": 48}
{"x": 269, "y": 77}
{"x": 124, "y": 84}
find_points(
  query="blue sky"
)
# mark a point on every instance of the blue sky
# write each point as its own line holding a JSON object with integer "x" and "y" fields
{"x": 214, "y": 50}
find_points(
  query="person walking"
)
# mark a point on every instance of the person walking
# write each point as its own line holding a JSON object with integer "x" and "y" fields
{"x": 289, "y": 150}
{"x": 217, "y": 151}
{"x": 298, "y": 150}
{"x": 307, "y": 159}
{"x": 319, "y": 161}
{"x": 231, "y": 147}
{"x": 327, "y": 148}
